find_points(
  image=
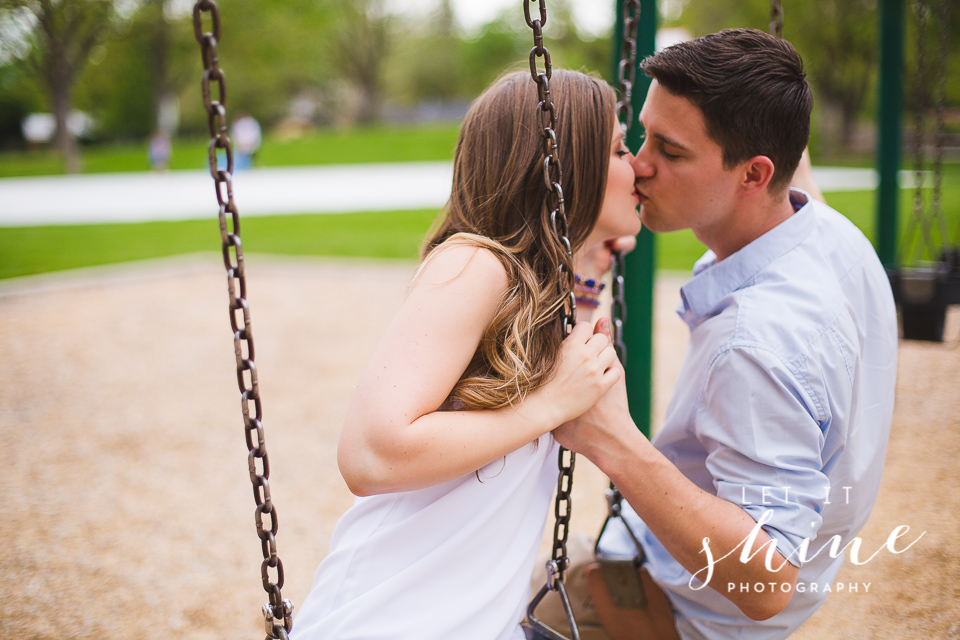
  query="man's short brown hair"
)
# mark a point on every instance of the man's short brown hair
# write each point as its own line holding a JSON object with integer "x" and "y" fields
{"x": 752, "y": 91}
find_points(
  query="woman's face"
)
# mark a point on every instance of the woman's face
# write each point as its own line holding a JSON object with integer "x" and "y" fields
{"x": 618, "y": 211}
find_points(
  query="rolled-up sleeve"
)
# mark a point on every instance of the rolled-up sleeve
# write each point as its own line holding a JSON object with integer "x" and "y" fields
{"x": 761, "y": 427}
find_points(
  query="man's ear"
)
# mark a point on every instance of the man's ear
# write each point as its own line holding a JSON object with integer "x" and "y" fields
{"x": 757, "y": 173}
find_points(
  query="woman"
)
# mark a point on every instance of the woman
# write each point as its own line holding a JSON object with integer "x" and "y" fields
{"x": 447, "y": 438}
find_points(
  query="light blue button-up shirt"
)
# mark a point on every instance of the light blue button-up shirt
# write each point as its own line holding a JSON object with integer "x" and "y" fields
{"x": 782, "y": 406}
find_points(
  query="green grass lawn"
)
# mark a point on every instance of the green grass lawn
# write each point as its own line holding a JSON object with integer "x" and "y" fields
{"x": 380, "y": 235}
{"x": 346, "y": 146}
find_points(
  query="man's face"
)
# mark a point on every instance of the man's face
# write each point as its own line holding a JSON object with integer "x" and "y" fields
{"x": 680, "y": 175}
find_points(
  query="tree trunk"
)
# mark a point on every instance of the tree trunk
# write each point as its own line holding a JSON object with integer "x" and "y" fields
{"x": 64, "y": 139}
{"x": 68, "y": 30}
{"x": 160, "y": 51}
{"x": 368, "y": 111}
{"x": 848, "y": 123}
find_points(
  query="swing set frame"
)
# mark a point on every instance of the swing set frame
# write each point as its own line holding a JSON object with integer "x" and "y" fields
{"x": 634, "y": 39}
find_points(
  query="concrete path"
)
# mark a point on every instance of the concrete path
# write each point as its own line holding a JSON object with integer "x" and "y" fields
{"x": 183, "y": 195}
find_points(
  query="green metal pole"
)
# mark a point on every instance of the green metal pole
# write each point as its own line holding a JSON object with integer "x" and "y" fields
{"x": 888, "y": 128}
{"x": 640, "y": 264}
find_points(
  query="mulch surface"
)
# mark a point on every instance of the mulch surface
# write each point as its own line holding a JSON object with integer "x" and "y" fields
{"x": 129, "y": 512}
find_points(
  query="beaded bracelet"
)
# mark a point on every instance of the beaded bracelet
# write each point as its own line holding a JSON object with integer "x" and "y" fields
{"x": 587, "y": 291}
{"x": 587, "y": 303}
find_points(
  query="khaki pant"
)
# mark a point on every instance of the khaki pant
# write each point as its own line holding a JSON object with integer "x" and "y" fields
{"x": 597, "y": 617}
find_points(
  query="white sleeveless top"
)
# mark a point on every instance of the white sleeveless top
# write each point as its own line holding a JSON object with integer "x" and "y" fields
{"x": 450, "y": 561}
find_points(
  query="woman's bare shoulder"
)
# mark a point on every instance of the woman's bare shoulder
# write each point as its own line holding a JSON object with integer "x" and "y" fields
{"x": 466, "y": 264}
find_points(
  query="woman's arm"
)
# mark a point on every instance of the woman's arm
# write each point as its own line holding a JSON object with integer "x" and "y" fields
{"x": 394, "y": 439}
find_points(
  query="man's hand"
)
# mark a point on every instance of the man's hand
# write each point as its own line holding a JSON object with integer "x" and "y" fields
{"x": 607, "y": 422}
{"x": 677, "y": 511}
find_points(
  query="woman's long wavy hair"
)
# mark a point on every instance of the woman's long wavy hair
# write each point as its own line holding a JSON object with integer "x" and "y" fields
{"x": 498, "y": 203}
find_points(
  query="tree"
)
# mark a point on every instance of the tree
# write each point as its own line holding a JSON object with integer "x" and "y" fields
{"x": 425, "y": 58}
{"x": 836, "y": 38}
{"x": 839, "y": 44}
{"x": 134, "y": 68}
{"x": 360, "y": 48}
{"x": 66, "y": 32}
{"x": 272, "y": 53}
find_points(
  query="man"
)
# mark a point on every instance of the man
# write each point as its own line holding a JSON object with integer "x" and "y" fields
{"x": 777, "y": 429}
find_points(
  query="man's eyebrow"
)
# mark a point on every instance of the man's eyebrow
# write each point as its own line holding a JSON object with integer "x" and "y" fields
{"x": 671, "y": 141}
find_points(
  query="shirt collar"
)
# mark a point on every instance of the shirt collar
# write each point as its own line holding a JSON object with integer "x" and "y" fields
{"x": 712, "y": 280}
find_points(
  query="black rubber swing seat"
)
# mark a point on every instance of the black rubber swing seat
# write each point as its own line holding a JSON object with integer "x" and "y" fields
{"x": 924, "y": 293}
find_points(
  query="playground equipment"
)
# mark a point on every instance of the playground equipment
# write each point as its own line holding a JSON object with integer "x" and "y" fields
{"x": 547, "y": 116}
{"x": 278, "y": 612}
{"x": 926, "y": 277}
{"x": 635, "y": 39}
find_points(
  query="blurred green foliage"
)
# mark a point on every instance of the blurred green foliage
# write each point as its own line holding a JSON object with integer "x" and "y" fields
{"x": 303, "y": 64}
{"x": 336, "y": 60}
{"x": 838, "y": 41}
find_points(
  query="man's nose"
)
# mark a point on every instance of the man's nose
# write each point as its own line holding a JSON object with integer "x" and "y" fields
{"x": 642, "y": 167}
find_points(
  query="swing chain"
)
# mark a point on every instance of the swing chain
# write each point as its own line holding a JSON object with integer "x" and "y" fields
{"x": 278, "y": 613}
{"x": 618, "y": 308}
{"x": 558, "y": 218}
{"x": 776, "y": 18}
{"x": 552, "y": 177}
{"x": 921, "y": 222}
{"x": 939, "y": 122}
{"x": 627, "y": 69}
{"x": 919, "y": 129}
{"x": 553, "y": 202}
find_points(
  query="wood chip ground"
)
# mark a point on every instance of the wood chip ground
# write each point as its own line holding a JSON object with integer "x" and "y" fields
{"x": 128, "y": 512}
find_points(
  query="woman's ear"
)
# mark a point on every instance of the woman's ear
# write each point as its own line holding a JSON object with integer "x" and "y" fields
{"x": 757, "y": 173}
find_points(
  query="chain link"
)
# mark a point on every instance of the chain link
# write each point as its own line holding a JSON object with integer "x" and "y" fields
{"x": 618, "y": 309}
{"x": 552, "y": 178}
{"x": 920, "y": 223}
{"x": 278, "y": 613}
{"x": 939, "y": 125}
{"x": 776, "y": 18}
{"x": 627, "y": 68}
{"x": 919, "y": 129}
{"x": 553, "y": 201}
{"x": 552, "y": 175}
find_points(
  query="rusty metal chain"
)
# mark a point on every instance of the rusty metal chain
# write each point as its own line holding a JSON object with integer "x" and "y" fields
{"x": 547, "y": 117}
{"x": 278, "y": 613}
{"x": 939, "y": 124}
{"x": 627, "y": 68}
{"x": 626, "y": 71}
{"x": 552, "y": 176}
{"x": 776, "y": 18}
{"x": 618, "y": 309}
{"x": 919, "y": 133}
{"x": 920, "y": 222}
{"x": 553, "y": 201}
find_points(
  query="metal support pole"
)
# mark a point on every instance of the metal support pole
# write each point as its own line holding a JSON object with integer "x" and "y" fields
{"x": 888, "y": 129}
{"x": 640, "y": 264}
